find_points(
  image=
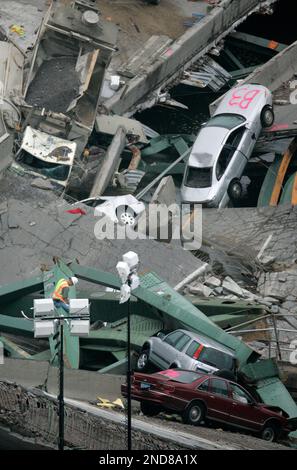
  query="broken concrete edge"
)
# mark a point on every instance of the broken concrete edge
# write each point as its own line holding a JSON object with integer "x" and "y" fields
{"x": 194, "y": 43}
{"x": 276, "y": 71}
{"x": 22, "y": 401}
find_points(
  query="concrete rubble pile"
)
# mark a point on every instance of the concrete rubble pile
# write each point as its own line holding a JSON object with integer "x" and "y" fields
{"x": 265, "y": 240}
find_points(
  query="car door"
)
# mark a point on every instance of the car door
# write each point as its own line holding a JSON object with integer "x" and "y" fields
{"x": 231, "y": 162}
{"x": 164, "y": 351}
{"x": 238, "y": 160}
{"x": 218, "y": 400}
{"x": 181, "y": 345}
{"x": 244, "y": 411}
{"x": 249, "y": 138}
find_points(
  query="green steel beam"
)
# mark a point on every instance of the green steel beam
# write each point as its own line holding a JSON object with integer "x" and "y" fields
{"x": 244, "y": 72}
{"x": 159, "y": 167}
{"x": 13, "y": 324}
{"x": 269, "y": 182}
{"x": 15, "y": 351}
{"x": 161, "y": 143}
{"x": 286, "y": 197}
{"x": 248, "y": 41}
{"x": 178, "y": 311}
{"x": 227, "y": 321}
{"x": 19, "y": 288}
{"x": 42, "y": 356}
{"x": 270, "y": 388}
{"x": 181, "y": 146}
{"x": 233, "y": 58}
{"x": 118, "y": 367}
{"x": 214, "y": 306}
{"x": 115, "y": 335}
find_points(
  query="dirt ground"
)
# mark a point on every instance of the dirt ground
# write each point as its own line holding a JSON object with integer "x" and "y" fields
{"x": 138, "y": 20}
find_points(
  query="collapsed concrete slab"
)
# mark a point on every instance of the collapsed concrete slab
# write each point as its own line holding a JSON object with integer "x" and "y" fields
{"x": 11, "y": 82}
{"x": 55, "y": 232}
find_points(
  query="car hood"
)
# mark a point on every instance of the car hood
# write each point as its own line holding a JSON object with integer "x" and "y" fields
{"x": 207, "y": 146}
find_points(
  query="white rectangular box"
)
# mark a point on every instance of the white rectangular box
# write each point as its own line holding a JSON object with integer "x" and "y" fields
{"x": 43, "y": 307}
{"x": 79, "y": 327}
{"x": 44, "y": 328}
{"x": 131, "y": 259}
{"x": 79, "y": 306}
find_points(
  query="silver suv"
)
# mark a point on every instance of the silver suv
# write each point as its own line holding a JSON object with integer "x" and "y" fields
{"x": 186, "y": 350}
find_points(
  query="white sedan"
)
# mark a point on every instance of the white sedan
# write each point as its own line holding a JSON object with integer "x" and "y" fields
{"x": 120, "y": 209}
{"x": 224, "y": 145}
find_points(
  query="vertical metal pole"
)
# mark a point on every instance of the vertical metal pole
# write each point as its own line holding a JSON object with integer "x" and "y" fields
{"x": 129, "y": 373}
{"x": 61, "y": 388}
{"x": 276, "y": 337}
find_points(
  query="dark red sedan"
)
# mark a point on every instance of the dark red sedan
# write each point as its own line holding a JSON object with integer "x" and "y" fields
{"x": 207, "y": 398}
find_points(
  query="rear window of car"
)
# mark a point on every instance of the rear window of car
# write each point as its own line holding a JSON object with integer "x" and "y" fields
{"x": 227, "y": 121}
{"x": 199, "y": 177}
{"x": 184, "y": 377}
{"x": 216, "y": 358}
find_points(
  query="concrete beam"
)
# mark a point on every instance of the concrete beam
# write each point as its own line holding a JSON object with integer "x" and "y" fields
{"x": 110, "y": 162}
{"x": 272, "y": 74}
{"x": 180, "y": 54}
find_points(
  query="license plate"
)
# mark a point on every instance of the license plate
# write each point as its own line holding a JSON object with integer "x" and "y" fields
{"x": 145, "y": 386}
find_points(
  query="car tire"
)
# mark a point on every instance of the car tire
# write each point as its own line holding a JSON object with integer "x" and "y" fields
{"x": 235, "y": 190}
{"x": 194, "y": 414}
{"x": 149, "y": 409}
{"x": 267, "y": 116}
{"x": 143, "y": 360}
{"x": 126, "y": 216}
{"x": 270, "y": 432}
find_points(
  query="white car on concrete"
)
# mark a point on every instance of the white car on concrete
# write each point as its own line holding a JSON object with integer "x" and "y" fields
{"x": 124, "y": 210}
{"x": 224, "y": 145}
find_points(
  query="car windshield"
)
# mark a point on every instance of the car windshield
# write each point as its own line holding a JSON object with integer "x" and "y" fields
{"x": 216, "y": 358}
{"x": 198, "y": 177}
{"x": 227, "y": 121}
{"x": 181, "y": 376}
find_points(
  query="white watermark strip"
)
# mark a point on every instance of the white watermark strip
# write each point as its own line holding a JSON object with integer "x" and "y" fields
{"x": 158, "y": 221}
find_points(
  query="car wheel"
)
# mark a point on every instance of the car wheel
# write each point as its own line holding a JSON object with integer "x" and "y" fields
{"x": 143, "y": 360}
{"x": 267, "y": 116}
{"x": 270, "y": 432}
{"x": 126, "y": 216}
{"x": 149, "y": 409}
{"x": 235, "y": 190}
{"x": 194, "y": 414}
